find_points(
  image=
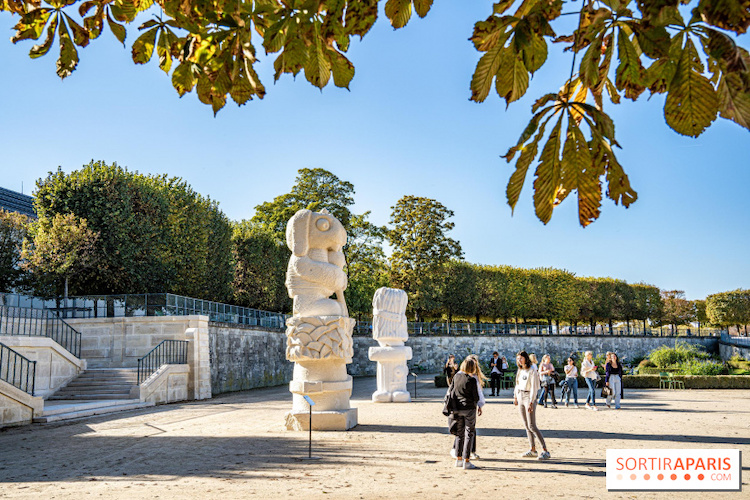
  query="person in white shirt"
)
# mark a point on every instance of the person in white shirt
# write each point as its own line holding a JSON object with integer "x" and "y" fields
{"x": 524, "y": 397}
{"x": 588, "y": 370}
{"x": 571, "y": 378}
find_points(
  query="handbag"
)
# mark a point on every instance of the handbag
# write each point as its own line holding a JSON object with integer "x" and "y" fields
{"x": 449, "y": 402}
{"x": 606, "y": 391}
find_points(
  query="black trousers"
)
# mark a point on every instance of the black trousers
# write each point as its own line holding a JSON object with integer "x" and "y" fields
{"x": 467, "y": 421}
{"x": 495, "y": 382}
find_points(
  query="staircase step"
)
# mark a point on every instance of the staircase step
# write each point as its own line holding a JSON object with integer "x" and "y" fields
{"x": 78, "y": 384}
{"x": 94, "y": 390}
{"x": 86, "y": 397}
{"x": 59, "y": 412}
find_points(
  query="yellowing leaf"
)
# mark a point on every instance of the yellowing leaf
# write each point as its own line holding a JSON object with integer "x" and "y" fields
{"x": 143, "y": 47}
{"x": 41, "y": 49}
{"x": 485, "y": 72}
{"x": 399, "y": 12}
{"x": 547, "y": 182}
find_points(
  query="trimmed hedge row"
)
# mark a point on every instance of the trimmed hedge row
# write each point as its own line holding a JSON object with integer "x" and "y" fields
{"x": 691, "y": 381}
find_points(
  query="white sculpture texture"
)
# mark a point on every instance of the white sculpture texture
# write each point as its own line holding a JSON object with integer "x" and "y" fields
{"x": 319, "y": 334}
{"x": 389, "y": 329}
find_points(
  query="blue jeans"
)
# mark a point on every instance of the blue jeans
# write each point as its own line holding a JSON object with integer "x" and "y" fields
{"x": 591, "y": 398}
{"x": 572, "y": 387}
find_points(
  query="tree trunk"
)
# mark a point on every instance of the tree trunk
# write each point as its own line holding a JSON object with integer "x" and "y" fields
{"x": 610, "y": 326}
{"x": 644, "y": 327}
{"x": 477, "y": 318}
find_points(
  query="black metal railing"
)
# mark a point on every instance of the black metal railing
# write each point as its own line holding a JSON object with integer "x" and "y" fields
{"x": 39, "y": 323}
{"x": 17, "y": 370}
{"x": 168, "y": 352}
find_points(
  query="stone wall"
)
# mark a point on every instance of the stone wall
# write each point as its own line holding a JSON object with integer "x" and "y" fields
{"x": 246, "y": 358}
{"x": 55, "y": 366}
{"x": 430, "y": 353}
{"x": 168, "y": 385}
{"x": 17, "y": 407}
{"x": 728, "y": 350}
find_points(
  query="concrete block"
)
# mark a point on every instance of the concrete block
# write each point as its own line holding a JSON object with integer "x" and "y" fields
{"x": 340, "y": 420}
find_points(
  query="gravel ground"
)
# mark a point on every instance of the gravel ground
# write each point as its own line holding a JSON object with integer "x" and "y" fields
{"x": 234, "y": 446}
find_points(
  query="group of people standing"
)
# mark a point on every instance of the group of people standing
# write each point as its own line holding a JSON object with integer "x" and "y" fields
{"x": 533, "y": 384}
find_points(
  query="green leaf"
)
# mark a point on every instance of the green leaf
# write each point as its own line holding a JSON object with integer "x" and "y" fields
{"x": 528, "y": 153}
{"x": 512, "y": 79}
{"x": 629, "y": 76}
{"x": 164, "y": 52}
{"x": 733, "y": 15}
{"x": 653, "y": 40}
{"x": 117, "y": 29}
{"x": 502, "y": 6}
{"x": 577, "y": 173}
{"x": 589, "y": 68}
{"x": 547, "y": 182}
{"x": 317, "y": 67}
{"x": 399, "y": 12}
{"x": 535, "y": 54}
{"x": 360, "y": 16}
{"x": 292, "y": 59}
{"x": 42, "y": 49}
{"x": 31, "y": 25}
{"x": 487, "y": 68}
{"x": 734, "y": 100}
{"x": 183, "y": 77}
{"x": 80, "y": 35}
{"x": 143, "y": 47}
{"x": 68, "y": 59}
{"x": 692, "y": 103}
{"x": 341, "y": 67}
{"x": 422, "y": 7}
{"x": 490, "y": 32}
{"x": 618, "y": 184}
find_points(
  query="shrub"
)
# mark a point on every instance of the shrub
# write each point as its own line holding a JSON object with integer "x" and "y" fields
{"x": 706, "y": 367}
{"x": 666, "y": 356}
{"x": 691, "y": 381}
{"x": 646, "y": 363}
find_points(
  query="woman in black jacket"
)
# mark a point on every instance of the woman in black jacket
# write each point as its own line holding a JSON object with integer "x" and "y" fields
{"x": 465, "y": 393}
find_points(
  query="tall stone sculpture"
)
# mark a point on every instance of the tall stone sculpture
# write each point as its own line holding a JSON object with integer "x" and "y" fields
{"x": 389, "y": 329}
{"x": 319, "y": 334}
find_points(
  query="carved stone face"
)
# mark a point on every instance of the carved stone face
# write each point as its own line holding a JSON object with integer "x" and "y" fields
{"x": 308, "y": 230}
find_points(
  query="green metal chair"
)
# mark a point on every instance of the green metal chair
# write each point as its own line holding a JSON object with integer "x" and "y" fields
{"x": 676, "y": 384}
{"x": 665, "y": 380}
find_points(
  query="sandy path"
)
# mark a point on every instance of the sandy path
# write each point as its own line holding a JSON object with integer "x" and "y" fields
{"x": 234, "y": 446}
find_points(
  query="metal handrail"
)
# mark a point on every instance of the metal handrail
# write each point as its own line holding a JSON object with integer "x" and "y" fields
{"x": 23, "y": 376}
{"x": 24, "y": 321}
{"x": 168, "y": 352}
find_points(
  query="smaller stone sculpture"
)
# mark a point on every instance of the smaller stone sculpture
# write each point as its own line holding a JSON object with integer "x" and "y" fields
{"x": 389, "y": 329}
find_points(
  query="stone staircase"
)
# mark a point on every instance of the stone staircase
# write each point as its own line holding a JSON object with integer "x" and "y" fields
{"x": 93, "y": 392}
{"x": 98, "y": 384}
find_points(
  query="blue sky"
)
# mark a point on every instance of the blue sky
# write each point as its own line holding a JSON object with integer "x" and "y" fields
{"x": 406, "y": 127}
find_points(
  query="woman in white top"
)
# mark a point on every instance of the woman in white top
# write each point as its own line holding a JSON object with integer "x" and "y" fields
{"x": 571, "y": 378}
{"x": 588, "y": 370}
{"x": 524, "y": 396}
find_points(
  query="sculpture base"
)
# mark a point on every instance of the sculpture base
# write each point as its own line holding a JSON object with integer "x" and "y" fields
{"x": 391, "y": 397}
{"x": 337, "y": 420}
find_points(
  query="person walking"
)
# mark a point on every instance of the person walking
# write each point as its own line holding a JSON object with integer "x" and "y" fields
{"x": 547, "y": 379}
{"x": 571, "y": 378}
{"x": 450, "y": 368}
{"x": 496, "y": 373}
{"x": 466, "y": 394}
{"x": 524, "y": 397}
{"x": 588, "y": 370}
{"x": 608, "y": 397}
{"x": 481, "y": 382}
{"x": 613, "y": 379}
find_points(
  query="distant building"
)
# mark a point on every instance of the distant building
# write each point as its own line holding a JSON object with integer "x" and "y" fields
{"x": 12, "y": 201}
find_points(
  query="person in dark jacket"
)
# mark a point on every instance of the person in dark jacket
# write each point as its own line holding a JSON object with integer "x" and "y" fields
{"x": 450, "y": 368}
{"x": 613, "y": 378}
{"x": 465, "y": 391}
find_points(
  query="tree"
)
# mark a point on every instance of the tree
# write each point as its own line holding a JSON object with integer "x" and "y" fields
{"x": 648, "y": 304}
{"x": 729, "y": 308}
{"x": 677, "y": 309}
{"x": 13, "y": 232}
{"x": 366, "y": 264}
{"x": 313, "y": 189}
{"x": 155, "y": 233}
{"x": 208, "y": 45}
{"x": 421, "y": 250}
{"x": 460, "y": 290}
{"x": 61, "y": 248}
{"x": 260, "y": 268}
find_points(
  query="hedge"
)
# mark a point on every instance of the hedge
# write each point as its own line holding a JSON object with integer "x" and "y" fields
{"x": 691, "y": 381}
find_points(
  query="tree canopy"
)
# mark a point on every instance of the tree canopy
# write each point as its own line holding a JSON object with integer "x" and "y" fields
{"x": 688, "y": 52}
{"x": 13, "y": 233}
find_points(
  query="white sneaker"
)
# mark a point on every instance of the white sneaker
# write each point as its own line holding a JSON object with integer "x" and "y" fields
{"x": 595, "y": 408}
{"x": 474, "y": 456}
{"x": 459, "y": 463}
{"x": 544, "y": 456}
{"x": 576, "y": 406}
{"x": 588, "y": 406}
{"x": 469, "y": 466}
{"x": 529, "y": 454}
{"x": 453, "y": 452}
